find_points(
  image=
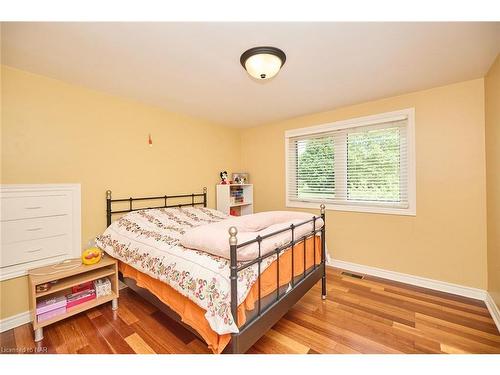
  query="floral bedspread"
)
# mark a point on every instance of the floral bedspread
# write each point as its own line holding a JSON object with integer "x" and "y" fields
{"x": 149, "y": 240}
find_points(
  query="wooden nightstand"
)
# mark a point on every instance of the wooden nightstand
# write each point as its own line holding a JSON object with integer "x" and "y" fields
{"x": 108, "y": 266}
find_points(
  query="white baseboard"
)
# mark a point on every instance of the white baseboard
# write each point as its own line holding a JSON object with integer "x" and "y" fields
{"x": 493, "y": 309}
{"x": 441, "y": 286}
{"x": 15, "y": 321}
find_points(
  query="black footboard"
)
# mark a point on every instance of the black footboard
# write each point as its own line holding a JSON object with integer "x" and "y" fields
{"x": 266, "y": 317}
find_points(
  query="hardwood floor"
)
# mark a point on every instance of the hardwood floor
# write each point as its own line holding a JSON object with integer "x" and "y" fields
{"x": 369, "y": 315}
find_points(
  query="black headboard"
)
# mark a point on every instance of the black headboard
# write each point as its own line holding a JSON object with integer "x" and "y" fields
{"x": 193, "y": 201}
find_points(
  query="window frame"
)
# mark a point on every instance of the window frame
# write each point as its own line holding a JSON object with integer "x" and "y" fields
{"x": 373, "y": 207}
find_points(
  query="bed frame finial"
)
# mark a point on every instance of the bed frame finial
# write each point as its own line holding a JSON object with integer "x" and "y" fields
{"x": 322, "y": 209}
{"x": 108, "y": 194}
{"x": 233, "y": 231}
{"x": 204, "y": 189}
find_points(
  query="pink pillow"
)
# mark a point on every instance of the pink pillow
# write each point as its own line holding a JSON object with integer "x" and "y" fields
{"x": 214, "y": 238}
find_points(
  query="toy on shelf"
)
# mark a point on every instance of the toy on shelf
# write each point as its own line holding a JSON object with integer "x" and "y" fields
{"x": 91, "y": 255}
{"x": 240, "y": 178}
{"x": 223, "y": 178}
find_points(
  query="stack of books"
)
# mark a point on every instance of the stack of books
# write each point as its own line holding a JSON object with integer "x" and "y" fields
{"x": 236, "y": 195}
{"x": 81, "y": 293}
{"x": 49, "y": 308}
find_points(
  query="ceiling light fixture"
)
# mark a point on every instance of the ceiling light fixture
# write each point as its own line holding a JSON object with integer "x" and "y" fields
{"x": 263, "y": 62}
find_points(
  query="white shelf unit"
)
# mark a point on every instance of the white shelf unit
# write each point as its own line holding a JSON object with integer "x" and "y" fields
{"x": 227, "y": 204}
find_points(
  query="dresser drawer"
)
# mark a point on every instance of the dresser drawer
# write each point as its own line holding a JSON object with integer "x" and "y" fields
{"x": 33, "y": 229}
{"x": 23, "y": 207}
{"x": 28, "y": 251}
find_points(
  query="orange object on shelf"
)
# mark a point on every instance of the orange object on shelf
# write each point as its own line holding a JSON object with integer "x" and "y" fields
{"x": 91, "y": 255}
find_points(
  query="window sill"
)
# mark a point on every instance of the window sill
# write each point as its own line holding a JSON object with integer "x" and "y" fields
{"x": 355, "y": 208}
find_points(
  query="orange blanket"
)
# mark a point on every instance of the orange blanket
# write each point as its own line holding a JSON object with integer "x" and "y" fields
{"x": 194, "y": 316}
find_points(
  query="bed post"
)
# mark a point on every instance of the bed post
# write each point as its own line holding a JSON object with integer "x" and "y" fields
{"x": 323, "y": 253}
{"x": 204, "y": 197}
{"x": 108, "y": 208}
{"x": 233, "y": 242}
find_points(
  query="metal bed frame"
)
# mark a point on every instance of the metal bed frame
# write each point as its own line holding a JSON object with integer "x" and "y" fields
{"x": 258, "y": 324}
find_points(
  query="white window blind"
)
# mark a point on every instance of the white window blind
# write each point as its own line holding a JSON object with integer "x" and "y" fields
{"x": 360, "y": 164}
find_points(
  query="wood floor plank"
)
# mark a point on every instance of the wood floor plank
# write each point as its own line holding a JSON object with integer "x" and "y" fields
{"x": 422, "y": 342}
{"x": 290, "y": 344}
{"x": 482, "y": 316}
{"x": 114, "y": 340}
{"x": 460, "y": 332}
{"x": 374, "y": 307}
{"x": 137, "y": 305}
{"x": 72, "y": 336}
{"x": 113, "y": 317}
{"x": 198, "y": 347}
{"x": 156, "y": 342}
{"x": 476, "y": 322}
{"x": 457, "y": 327}
{"x": 373, "y": 329}
{"x": 178, "y": 330}
{"x": 8, "y": 342}
{"x": 356, "y": 340}
{"x": 126, "y": 315}
{"x": 53, "y": 335}
{"x": 451, "y": 349}
{"x": 369, "y": 315}
{"x": 138, "y": 344}
{"x": 483, "y": 310}
{"x": 93, "y": 313}
{"x": 309, "y": 338}
{"x": 454, "y": 340}
{"x": 96, "y": 342}
{"x": 24, "y": 338}
{"x": 168, "y": 339}
{"x": 87, "y": 350}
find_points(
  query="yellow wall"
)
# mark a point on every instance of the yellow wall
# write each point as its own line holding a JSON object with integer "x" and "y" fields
{"x": 492, "y": 111}
{"x": 53, "y": 132}
{"x": 447, "y": 239}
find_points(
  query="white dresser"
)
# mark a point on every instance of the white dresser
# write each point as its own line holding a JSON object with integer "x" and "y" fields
{"x": 40, "y": 224}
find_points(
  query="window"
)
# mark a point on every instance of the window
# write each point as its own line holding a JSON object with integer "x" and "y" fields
{"x": 364, "y": 164}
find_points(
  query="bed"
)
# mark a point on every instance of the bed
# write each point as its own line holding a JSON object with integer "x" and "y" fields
{"x": 227, "y": 299}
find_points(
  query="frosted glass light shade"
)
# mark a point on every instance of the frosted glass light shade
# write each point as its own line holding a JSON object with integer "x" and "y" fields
{"x": 263, "y": 62}
{"x": 263, "y": 66}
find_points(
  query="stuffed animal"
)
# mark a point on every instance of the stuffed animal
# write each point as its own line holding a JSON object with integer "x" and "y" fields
{"x": 223, "y": 178}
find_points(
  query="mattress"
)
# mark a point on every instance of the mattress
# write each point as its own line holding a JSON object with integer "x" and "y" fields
{"x": 149, "y": 242}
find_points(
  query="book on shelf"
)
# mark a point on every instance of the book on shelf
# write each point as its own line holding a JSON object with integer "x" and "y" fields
{"x": 50, "y": 307}
{"x": 78, "y": 298}
{"x": 51, "y": 303}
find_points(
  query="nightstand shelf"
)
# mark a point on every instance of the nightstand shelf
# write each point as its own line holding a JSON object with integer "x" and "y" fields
{"x": 78, "y": 309}
{"x": 64, "y": 281}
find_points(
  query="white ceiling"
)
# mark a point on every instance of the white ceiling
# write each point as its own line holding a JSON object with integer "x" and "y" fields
{"x": 194, "y": 68}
